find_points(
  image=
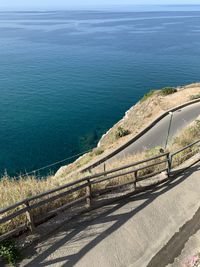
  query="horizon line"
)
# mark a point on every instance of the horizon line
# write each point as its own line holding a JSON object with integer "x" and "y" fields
{"x": 89, "y": 7}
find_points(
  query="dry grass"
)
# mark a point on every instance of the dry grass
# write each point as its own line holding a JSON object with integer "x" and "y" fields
{"x": 14, "y": 190}
{"x": 187, "y": 136}
{"x": 135, "y": 120}
{"x": 122, "y": 179}
{"x": 140, "y": 115}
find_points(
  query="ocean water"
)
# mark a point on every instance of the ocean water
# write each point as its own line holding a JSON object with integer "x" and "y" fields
{"x": 67, "y": 76}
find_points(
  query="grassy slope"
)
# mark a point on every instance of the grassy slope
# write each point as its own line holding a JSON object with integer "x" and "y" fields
{"x": 12, "y": 190}
{"x": 135, "y": 120}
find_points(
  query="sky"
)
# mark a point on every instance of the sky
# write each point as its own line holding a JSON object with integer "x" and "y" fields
{"x": 60, "y": 4}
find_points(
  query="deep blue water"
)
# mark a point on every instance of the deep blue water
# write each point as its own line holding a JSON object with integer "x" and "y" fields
{"x": 66, "y": 77}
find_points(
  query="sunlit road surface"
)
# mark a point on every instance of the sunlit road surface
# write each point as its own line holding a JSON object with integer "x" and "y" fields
{"x": 157, "y": 135}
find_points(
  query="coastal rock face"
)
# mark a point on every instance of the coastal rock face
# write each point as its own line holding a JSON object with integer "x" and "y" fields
{"x": 141, "y": 114}
{"x": 135, "y": 120}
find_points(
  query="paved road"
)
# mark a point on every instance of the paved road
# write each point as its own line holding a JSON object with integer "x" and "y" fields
{"x": 128, "y": 233}
{"x": 157, "y": 135}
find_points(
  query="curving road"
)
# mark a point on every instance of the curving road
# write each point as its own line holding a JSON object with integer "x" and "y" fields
{"x": 157, "y": 135}
{"x": 137, "y": 232}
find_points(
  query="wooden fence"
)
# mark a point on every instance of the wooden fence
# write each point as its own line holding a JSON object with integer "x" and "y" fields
{"x": 85, "y": 189}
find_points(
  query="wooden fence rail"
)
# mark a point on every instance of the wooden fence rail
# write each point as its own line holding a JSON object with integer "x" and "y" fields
{"x": 85, "y": 186}
{"x": 195, "y": 145}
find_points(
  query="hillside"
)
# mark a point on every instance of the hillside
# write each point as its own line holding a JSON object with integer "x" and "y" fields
{"x": 153, "y": 104}
{"x": 14, "y": 190}
{"x": 135, "y": 120}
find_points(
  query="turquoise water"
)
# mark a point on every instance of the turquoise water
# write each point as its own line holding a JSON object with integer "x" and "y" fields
{"x": 66, "y": 77}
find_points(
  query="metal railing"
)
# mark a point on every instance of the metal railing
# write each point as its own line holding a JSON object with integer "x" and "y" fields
{"x": 86, "y": 188}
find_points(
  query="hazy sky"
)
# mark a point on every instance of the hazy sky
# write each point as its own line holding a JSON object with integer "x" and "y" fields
{"x": 81, "y": 3}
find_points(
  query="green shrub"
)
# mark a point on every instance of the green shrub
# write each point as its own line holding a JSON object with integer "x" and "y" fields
{"x": 168, "y": 91}
{"x": 147, "y": 95}
{"x": 9, "y": 252}
{"x": 97, "y": 151}
{"x": 121, "y": 132}
{"x": 193, "y": 97}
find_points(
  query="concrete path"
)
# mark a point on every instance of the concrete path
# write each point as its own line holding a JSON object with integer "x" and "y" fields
{"x": 157, "y": 135}
{"x": 127, "y": 233}
{"x": 191, "y": 248}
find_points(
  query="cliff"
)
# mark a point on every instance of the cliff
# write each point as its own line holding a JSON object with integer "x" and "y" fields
{"x": 135, "y": 120}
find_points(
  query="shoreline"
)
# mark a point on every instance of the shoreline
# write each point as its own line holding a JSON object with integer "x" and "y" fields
{"x": 133, "y": 111}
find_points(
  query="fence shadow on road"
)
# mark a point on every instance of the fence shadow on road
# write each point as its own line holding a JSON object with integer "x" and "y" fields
{"x": 73, "y": 232}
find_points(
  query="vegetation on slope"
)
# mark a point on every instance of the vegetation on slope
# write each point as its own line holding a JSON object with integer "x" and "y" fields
{"x": 136, "y": 119}
{"x": 168, "y": 91}
{"x": 12, "y": 190}
{"x": 9, "y": 252}
{"x": 152, "y": 104}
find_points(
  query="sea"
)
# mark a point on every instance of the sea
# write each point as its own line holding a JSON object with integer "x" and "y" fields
{"x": 67, "y": 76}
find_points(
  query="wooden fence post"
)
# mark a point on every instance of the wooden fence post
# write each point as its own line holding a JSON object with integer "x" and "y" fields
{"x": 104, "y": 167}
{"x": 169, "y": 164}
{"x": 29, "y": 216}
{"x": 89, "y": 194}
{"x": 135, "y": 181}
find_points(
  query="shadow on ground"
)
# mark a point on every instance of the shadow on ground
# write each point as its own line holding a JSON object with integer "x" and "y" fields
{"x": 74, "y": 231}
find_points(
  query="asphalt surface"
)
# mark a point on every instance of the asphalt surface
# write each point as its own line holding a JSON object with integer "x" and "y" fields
{"x": 157, "y": 135}
{"x": 132, "y": 232}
